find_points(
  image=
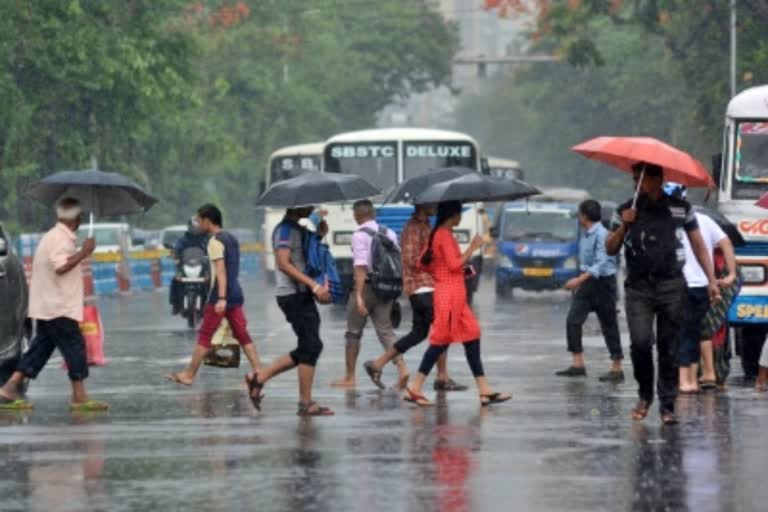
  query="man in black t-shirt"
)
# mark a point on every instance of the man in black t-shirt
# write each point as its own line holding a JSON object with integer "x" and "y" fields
{"x": 651, "y": 232}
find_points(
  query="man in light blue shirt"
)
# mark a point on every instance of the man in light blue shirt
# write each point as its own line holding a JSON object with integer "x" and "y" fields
{"x": 593, "y": 290}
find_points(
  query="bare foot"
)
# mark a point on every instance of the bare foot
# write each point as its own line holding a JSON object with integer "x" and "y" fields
{"x": 343, "y": 383}
{"x": 9, "y": 395}
{"x": 180, "y": 378}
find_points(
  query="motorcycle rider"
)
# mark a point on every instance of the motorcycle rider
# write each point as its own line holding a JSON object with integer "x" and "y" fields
{"x": 193, "y": 237}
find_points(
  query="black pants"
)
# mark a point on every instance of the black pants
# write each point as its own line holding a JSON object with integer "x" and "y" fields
{"x": 471, "y": 350}
{"x": 301, "y": 312}
{"x": 176, "y": 293}
{"x": 689, "y": 350}
{"x": 423, "y": 313}
{"x": 61, "y": 333}
{"x": 598, "y": 295}
{"x": 663, "y": 300}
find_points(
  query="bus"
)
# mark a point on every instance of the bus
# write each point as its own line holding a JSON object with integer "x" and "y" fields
{"x": 742, "y": 177}
{"x": 503, "y": 168}
{"x": 386, "y": 157}
{"x": 537, "y": 244}
{"x": 285, "y": 163}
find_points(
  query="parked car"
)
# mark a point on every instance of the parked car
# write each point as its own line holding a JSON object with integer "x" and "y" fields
{"x": 14, "y": 327}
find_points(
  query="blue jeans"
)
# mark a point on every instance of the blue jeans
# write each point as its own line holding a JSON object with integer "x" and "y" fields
{"x": 690, "y": 335}
{"x": 61, "y": 333}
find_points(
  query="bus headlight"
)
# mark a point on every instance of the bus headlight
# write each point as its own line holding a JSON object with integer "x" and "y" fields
{"x": 571, "y": 263}
{"x": 753, "y": 274}
{"x": 342, "y": 237}
{"x": 461, "y": 236}
{"x": 504, "y": 262}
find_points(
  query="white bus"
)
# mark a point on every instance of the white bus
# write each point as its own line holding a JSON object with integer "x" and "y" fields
{"x": 285, "y": 163}
{"x": 503, "y": 167}
{"x": 386, "y": 157}
{"x": 742, "y": 179}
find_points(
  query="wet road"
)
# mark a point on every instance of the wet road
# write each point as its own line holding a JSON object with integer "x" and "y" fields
{"x": 559, "y": 445}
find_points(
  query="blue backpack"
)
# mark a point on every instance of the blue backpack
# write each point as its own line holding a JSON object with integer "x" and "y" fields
{"x": 321, "y": 266}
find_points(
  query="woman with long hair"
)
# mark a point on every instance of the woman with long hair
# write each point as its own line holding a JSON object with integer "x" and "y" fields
{"x": 453, "y": 321}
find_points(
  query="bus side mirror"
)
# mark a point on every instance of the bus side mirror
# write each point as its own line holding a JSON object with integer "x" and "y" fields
{"x": 485, "y": 168}
{"x": 494, "y": 232}
{"x": 717, "y": 165}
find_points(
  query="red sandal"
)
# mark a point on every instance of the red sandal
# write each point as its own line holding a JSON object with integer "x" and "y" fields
{"x": 416, "y": 398}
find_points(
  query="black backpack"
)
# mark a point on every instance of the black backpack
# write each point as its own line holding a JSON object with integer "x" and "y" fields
{"x": 386, "y": 272}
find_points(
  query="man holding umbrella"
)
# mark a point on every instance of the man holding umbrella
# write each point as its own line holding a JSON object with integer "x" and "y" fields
{"x": 56, "y": 302}
{"x": 651, "y": 227}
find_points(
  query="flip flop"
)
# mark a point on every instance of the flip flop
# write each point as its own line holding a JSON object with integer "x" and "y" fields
{"x": 174, "y": 377}
{"x": 416, "y": 398}
{"x": 8, "y": 404}
{"x": 669, "y": 418}
{"x": 89, "y": 406}
{"x": 449, "y": 385}
{"x": 312, "y": 409}
{"x": 253, "y": 385}
{"x": 708, "y": 384}
{"x": 493, "y": 398}
{"x": 640, "y": 410}
{"x": 374, "y": 374}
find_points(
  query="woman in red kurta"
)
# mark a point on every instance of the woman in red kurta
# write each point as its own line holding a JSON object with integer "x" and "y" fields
{"x": 453, "y": 321}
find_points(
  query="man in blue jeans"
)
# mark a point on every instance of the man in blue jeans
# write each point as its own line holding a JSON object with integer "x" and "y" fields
{"x": 593, "y": 290}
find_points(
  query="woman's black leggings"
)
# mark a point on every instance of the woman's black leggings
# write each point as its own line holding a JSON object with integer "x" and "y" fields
{"x": 471, "y": 350}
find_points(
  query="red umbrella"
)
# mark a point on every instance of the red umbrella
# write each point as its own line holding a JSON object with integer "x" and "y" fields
{"x": 763, "y": 201}
{"x": 624, "y": 152}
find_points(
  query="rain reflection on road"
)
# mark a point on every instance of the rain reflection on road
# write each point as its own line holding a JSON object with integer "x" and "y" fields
{"x": 559, "y": 445}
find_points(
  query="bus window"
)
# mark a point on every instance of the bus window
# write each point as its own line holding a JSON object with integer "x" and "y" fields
{"x": 420, "y": 156}
{"x": 374, "y": 161}
{"x": 750, "y": 160}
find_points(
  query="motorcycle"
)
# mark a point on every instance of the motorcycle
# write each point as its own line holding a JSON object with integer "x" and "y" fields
{"x": 194, "y": 276}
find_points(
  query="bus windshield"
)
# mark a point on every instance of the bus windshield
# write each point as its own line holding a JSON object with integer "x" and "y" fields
{"x": 750, "y": 162}
{"x": 374, "y": 161}
{"x": 556, "y": 226}
{"x": 284, "y": 167}
{"x": 420, "y": 156}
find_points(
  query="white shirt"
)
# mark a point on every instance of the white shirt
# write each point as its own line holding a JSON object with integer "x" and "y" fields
{"x": 712, "y": 235}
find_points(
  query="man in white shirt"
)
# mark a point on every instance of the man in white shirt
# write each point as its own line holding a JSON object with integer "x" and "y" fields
{"x": 689, "y": 350}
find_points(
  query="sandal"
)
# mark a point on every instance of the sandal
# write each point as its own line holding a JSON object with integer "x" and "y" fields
{"x": 254, "y": 385}
{"x": 708, "y": 384}
{"x": 174, "y": 377}
{"x": 641, "y": 410}
{"x": 89, "y": 406}
{"x": 374, "y": 374}
{"x": 10, "y": 404}
{"x": 493, "y": 398}
{"x": 312, "y": 409}
{"x": 416, "y": 398}
{"x": 669, "y": 418}
{"x": 449, "y": 385}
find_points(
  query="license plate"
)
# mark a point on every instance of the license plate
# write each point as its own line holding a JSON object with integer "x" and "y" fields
{"x": 538, "y": 272}
{"x": 192, "y": 280}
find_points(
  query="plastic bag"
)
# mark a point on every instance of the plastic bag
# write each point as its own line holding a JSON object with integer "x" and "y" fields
{"x": 93, "y": 334}
{"x": 225, "y": 350}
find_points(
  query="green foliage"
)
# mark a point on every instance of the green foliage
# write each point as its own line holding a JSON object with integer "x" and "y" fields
{"x": 190, "y": 98}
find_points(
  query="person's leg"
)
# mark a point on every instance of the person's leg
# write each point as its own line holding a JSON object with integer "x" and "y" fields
{"x": 421, "y": 309}
{"x": 671, "y": 297}
{"x": 761, "y": 383}
{"x": 70, "y": 342}
{"x": 707, "y": 361}
{"x": 176, "y": 294}
{"x": 752, "y": 341}
{"x": 487, "y": 395}
{"x": 577, "y": 315}
{"x": 306, "y": 356}
{"x": 355, "y": 325}
{"x": 688, "y": 340}
{"x": 32, "y": 362}
{"x": 211, "y": 322}
{"x": 414, "y": 389}
{"x": 381, "y": 318}
{"x": 639, "y": 304}
{"x": 239, "y": 325}
{"x": 605, "y": 308}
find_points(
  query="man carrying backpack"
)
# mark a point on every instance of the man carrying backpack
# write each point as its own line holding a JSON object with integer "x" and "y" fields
{"x": 651, "y": 230}
{"x": 378, "y": 283}
{"x": 296, "y": 294}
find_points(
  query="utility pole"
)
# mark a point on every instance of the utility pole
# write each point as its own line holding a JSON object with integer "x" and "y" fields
{"x": 733, "y": 48}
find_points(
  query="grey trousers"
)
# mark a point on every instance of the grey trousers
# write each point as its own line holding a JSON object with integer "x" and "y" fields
{"x": 380, "y": 313}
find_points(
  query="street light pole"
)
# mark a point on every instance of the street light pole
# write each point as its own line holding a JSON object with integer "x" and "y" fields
{"x": 733, "y": 48}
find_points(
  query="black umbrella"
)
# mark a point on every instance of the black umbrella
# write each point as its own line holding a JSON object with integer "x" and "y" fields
{"x": 476, "y": 187}
{"x": 100, "y": 193}
{"x": 730, "y": 229}
{"x": 410, "y": 188}
{"x": 312, "y": 188}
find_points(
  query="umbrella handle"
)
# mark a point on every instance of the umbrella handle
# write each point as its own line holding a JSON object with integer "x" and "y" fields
{"x": 90, "y": 225}
{"x": 637, "y": 190}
